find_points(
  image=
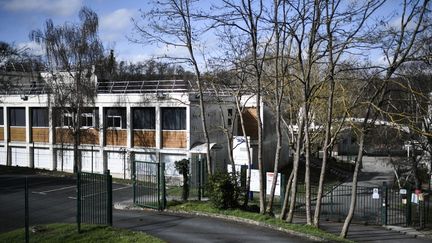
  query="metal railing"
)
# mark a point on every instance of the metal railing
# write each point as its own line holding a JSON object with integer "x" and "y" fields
{"x": 378, "y": 205}
{"x": 144, "y": 86}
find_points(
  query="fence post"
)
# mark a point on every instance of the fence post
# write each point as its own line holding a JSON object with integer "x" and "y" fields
{"x": 243, "y": 175}
{"x": 282, "y": 189}
{"x": 162, "y": 183}
{"x": 78, "y": 216}
{"x": 331, "y": 203}
{"x": 198, "y": 169}
{"x": 109, "y": 197}
{"x": 134, "y": 181}
{"x": 408, "y": 207}
{"x": 204, "y": 174}
{"x": 384, "y": 204}
{"x": 26, "y": 202}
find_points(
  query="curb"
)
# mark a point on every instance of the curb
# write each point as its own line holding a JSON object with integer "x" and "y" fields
{"x": 410, "y": 231}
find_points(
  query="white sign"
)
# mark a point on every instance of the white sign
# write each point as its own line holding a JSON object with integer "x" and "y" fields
{"x": 403, "y": 191}
{"x": 414, "y": 198}
{"x": 254, "y": 183}
{"x": 375, "y": 194}
{"x": 269, "y": 181}
{"x": 240, "y": 151}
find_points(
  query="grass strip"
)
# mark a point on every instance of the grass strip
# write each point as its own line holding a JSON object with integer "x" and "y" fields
{"x": 68, "y": 233}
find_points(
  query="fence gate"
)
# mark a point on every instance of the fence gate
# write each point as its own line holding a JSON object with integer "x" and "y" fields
{"x": 396, "y": 211}
{"x": 94, "y": 198}
{"x": 149, "y": 184}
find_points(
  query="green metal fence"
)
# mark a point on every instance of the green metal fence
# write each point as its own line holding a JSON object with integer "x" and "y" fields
{"x": 149, "y": 184}
{"x": 94, "y": 198}
{"x": 378, "y": 205}
{"x": 198, "y": 178}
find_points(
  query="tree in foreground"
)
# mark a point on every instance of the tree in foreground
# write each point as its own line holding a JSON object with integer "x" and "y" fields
{"x": 71, "y": 51}
{"x": 171, "y": 23}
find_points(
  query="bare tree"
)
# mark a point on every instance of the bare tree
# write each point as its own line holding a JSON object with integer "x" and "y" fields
{"x": 171, "y": 23}
{"x": 399, "y": 45}
{"x": 71, "y": 52}
{"x": 280, "y": 68}
{"x": 339, "y": 42}
{"x": 244, "y": 19}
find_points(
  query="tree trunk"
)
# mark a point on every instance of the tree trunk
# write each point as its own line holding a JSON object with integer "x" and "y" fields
{"x": 228, "y": 136}
{"x": 353, "y": 202}
{"x": 326, "y": 144}
{"x": 278, "y": 98}
{"x": 307, "y": 169}
{"x": 284, "y": 210}
{"x": 248, "y": 177}
{"x": 187, "y": 34}
{"x": 295, "y": 171}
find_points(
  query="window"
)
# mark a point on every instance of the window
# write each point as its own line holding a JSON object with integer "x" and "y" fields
{"x": 17, "y": 117}
{"x": 1, "y": 117}
{"x": 114, "y": 121}
{"x": 115, "y": 118}
{"x": 144, "y": 118}
{"x": 174, "y": 118}
{"x": 230, "y": 115}
{"x": 67, "y": 120}
{"x": 39, "y": 117}
{"x": 87, "y": 120}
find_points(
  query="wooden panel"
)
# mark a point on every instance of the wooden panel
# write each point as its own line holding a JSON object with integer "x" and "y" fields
{"x": 250, "y": 119}
{"x": 142, "y": 138}
{"x": 174, "y": 139}
{"x": 116, "y": 137}
{"x": 40, "y": 134}
{"x": 1, "y": 133}
{"x": 90, "y": 136}
{"x": 17, "y": 134}
{"x": 63, "y": 135}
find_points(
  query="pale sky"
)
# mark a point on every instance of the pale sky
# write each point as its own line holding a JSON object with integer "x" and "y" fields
{"x": 19, "y": 17}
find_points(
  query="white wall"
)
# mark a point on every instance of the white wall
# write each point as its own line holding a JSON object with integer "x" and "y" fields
{"x": 65, "y": 157}
{"x": 42, "y": 158}
{"x": 91, "y": 163}
{"x": 169, "y": 160}
{"x": 19, "y": 157}
{"x": 3, "y": 155}
{"x": 146, "y": 157}
{"x": 117, "y": 163}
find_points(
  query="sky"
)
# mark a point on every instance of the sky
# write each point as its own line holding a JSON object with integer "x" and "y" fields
{"x": 19, "y": 17}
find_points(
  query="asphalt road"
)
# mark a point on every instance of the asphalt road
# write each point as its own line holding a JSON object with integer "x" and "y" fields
{"x": 53, "y": 200}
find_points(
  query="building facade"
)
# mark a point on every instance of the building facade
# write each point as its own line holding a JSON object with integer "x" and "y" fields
{"x": 156, "y": 121}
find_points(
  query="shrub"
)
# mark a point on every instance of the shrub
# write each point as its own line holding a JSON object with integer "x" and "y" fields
{"x": 182, "y": 166}
{"x": 223, "y": 190}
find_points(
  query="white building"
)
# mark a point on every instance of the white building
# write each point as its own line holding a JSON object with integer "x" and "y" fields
{"x": 130, "y": 120}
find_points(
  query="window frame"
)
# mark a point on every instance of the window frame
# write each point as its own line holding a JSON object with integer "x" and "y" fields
{"x": 14, "y": 117}
{"x": 136, "y": 116}
{"x": 183, "y": 125}
{"x": 33, "y": 118}
{"x": 1, "y": 117}
{"x": 85, "y": 116}
{"x": 230, "y": 116}
{"x": 69, "y": 118}
{"x": 112, "y": 117}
